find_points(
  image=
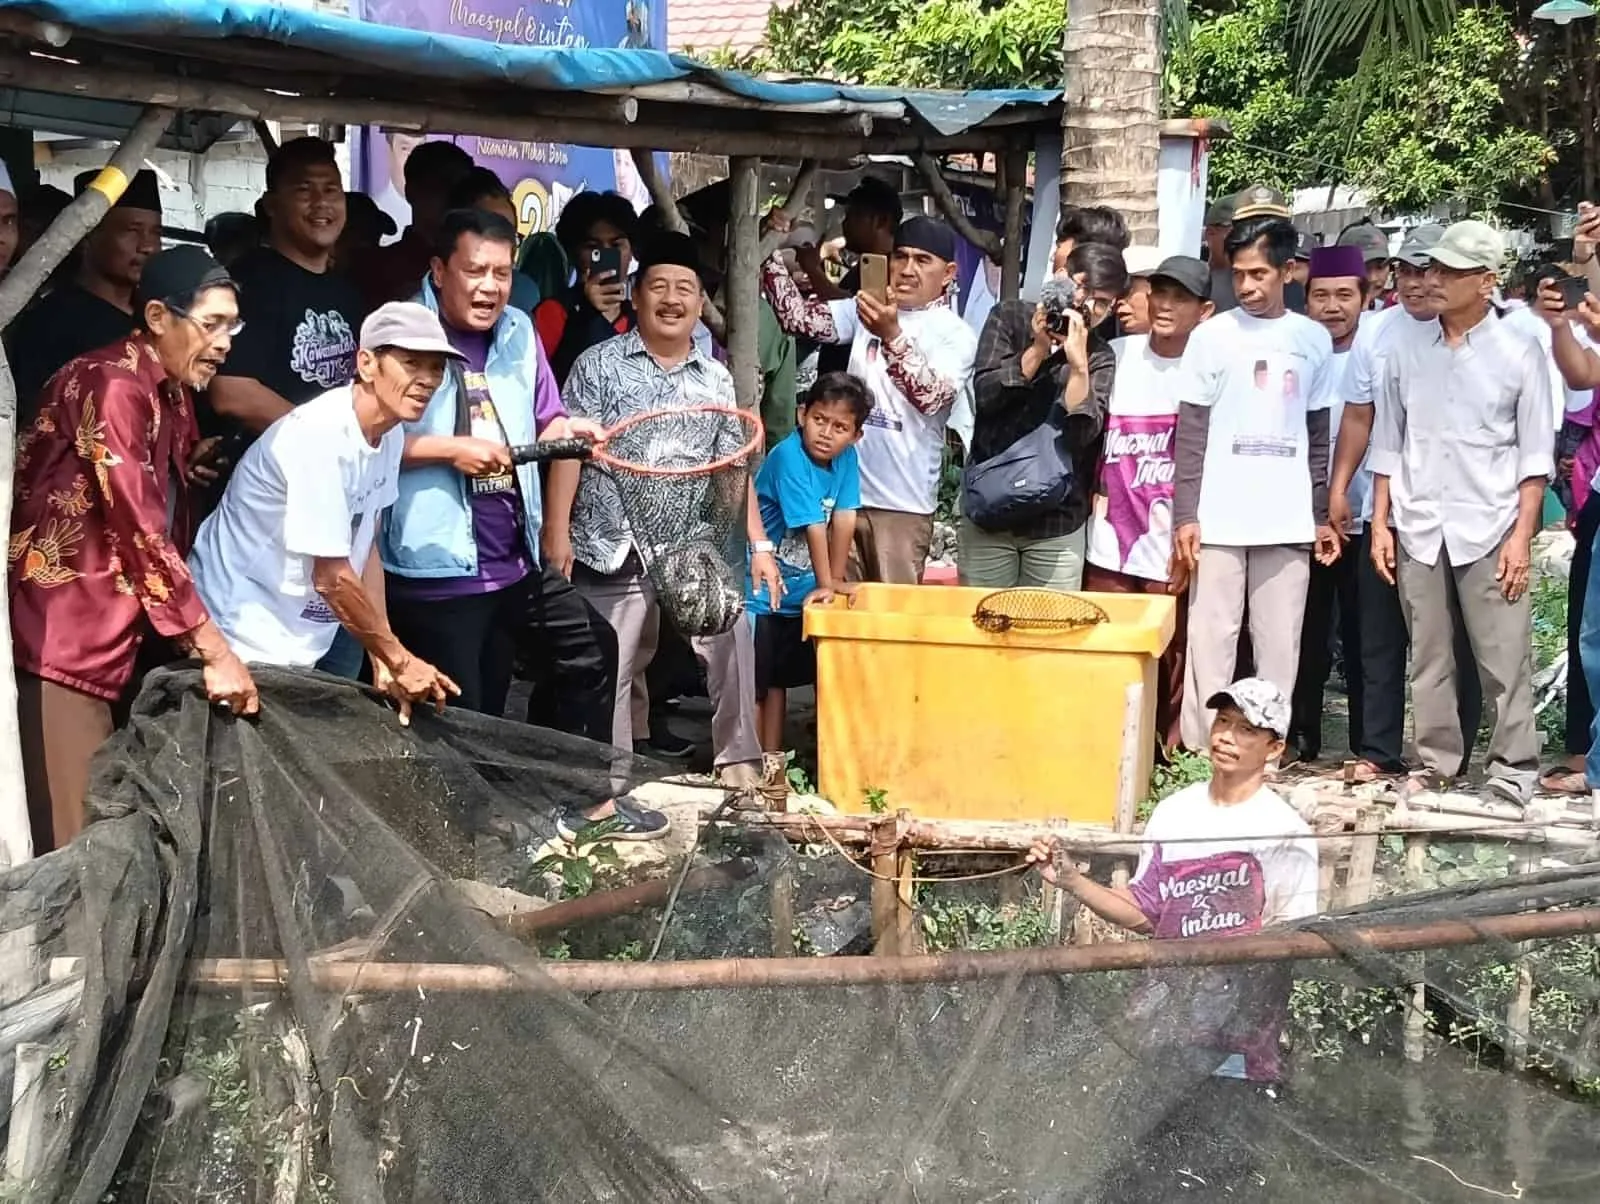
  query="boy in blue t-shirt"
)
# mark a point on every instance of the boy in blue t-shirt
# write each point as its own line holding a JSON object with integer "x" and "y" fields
{"x": 809, "y": 489}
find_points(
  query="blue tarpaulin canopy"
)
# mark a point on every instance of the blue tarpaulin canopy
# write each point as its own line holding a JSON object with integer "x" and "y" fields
{"x": 249, "y": 59}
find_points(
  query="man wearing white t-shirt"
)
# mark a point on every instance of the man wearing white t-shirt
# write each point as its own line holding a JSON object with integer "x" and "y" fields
{"x": 915, "y": 354}
{"x": 1384, "y": 640}
{"x": 1221, "y": 858}
{"x": 286, "y": 558}
{"x": 1252, "y": 472}
{"x": 1130, "y": 517}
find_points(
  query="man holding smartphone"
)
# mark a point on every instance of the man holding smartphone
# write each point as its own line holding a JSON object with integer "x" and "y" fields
{"x": 915, "y": 355}
{"x": 596, "y": 230}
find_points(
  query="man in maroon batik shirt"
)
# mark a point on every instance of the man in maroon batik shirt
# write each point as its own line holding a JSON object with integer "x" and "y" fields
{"x": 100, "y": 528}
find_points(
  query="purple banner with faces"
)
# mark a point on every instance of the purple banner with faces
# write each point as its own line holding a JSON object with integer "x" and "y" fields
{"x": 541, "y": 175}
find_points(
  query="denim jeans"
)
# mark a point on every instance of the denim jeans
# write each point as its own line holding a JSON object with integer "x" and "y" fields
{"x": 346, "y": 658}
{"x": 1589, "y": 653}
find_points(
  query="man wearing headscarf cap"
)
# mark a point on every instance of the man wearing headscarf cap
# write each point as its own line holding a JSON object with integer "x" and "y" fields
{"x": 915, "y": 354}
{"x": 1336, "y": 291}
{"x": 94, "y": 305}
{"x": 657, "y": 365}
{"x": 101, "y": 525}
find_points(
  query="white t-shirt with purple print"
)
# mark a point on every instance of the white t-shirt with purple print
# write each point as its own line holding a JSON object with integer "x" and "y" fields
{"x": 1130, "y": 521}
{"x": 1214, "y": 870}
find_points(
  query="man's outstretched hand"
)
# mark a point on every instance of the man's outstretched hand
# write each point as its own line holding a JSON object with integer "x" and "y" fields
{"x": 413, "y": 680}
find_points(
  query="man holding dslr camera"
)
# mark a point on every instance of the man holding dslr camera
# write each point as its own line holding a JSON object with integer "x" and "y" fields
{"x": 1041, "y": 384}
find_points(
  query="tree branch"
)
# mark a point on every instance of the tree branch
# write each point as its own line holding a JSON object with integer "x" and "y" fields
{"x": 984, "y": 240}
{"x": 799, "y": 194}
{"x": 645, "y": 162}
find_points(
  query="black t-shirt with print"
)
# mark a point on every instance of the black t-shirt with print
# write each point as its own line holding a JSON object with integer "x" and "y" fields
{"x": 300, "y": 331}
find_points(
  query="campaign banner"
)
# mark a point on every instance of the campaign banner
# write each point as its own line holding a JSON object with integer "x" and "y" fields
{"x": 541, "y": 175}
{"x": 978, "y": 276}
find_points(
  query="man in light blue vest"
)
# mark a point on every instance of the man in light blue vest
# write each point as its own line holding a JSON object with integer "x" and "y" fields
{"x": 461, "y": 548}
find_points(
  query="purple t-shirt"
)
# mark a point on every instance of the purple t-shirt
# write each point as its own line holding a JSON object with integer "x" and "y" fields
{"x": 497, "y": 525}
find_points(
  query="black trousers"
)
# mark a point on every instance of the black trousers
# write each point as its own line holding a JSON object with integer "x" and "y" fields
{"x": 1331, "y": 592}
{"x": 1384, "y": 645}
{"x": 1580, "y": 707}
{"x": 541, "y": 624}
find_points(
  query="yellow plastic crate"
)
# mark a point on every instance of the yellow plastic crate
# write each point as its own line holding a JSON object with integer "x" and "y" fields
{"x": 953, "y": 722}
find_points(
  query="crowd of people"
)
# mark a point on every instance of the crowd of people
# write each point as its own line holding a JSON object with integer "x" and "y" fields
{"x": 294, "y": 450}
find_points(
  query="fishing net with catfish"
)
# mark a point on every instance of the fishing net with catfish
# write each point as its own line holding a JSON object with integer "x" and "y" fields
{"x": 324, "y": 958}
{"x": 680, "y": 474}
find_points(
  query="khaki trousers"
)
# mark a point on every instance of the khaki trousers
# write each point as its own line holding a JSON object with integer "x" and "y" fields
{"x": 627, "y": 601}
{"x": 1000, "y": 560}
{"x": 60, "y": 730}
{"x": 890, "y": 546}
{"x": 1274, "y": 581}
{"x": 1438, "y": 598}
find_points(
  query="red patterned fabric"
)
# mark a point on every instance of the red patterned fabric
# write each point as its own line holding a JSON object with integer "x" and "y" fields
{"x": 101, "y": 521}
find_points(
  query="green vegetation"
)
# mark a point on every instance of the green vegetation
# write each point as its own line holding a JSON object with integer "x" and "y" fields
{"x": 1183, "y": 769}
{"x": 969, "y": 923}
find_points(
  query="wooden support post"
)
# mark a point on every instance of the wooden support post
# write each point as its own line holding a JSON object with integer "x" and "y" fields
{"x": 884, "y": 852}
{"x": 1519, "y": 1012}
{"x": 907, "y": 940}
{"x": 1363, "y": 856}
{"x": 782, "y": 908}
{"x": 24, "y": 280}
{"x": 29, "y": 1122}
{"x": 1014, "y": 184}
{"x": 645, "y": 162}
{"x": 1416, "y": 1025}
{"x": 742, "y": 294}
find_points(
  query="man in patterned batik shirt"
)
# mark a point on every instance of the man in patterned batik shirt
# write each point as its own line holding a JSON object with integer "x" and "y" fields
{"x": 657, "y": 366}
{"x": 100, "y": 528}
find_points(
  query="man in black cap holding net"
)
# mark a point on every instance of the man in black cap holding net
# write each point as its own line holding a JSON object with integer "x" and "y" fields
{"x": 915, "y": 354}
{"x": 94, "y": 305}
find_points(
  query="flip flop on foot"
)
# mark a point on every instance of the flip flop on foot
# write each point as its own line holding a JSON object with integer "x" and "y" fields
{"x": 1561, "y": 780}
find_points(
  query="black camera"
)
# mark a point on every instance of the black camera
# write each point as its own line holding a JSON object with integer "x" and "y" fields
{"x": 1059, "y": 296}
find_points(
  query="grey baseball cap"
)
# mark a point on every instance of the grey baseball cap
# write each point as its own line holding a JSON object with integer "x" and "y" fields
{"x": 1374, "y": 243}
{"x": 1416, "y": 249}
{"x": 1471, "y": 246}
{"x": 408, "y": 326}
{"x": 1261, "y": 703}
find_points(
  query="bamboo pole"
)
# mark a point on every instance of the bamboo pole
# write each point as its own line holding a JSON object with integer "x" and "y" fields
{"x": 765, "y": 973}
{"x": 975, "y": 836}
{"x": 605, "y": 904}
{"x": 18, "y": 288}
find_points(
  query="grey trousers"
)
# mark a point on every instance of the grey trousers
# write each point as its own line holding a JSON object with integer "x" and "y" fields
{"x": 627, "y": 601}
{"x": 1274, "y": 580}
{"x": 1437, "y": 598}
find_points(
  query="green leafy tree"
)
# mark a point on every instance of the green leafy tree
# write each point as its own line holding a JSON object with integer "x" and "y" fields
{"x": 1413, "y": 127}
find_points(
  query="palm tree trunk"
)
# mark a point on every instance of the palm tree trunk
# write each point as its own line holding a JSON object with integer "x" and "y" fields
{"x": 1111, "y": 132}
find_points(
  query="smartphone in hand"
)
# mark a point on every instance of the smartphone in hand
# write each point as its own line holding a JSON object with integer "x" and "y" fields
{"x": 875, "y": 277}
{"x": 606, "y": 259}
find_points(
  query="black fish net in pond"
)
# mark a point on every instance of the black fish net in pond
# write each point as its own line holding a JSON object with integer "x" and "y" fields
{"x": 681, "y": 474}
{"x": 324, "y": 958}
